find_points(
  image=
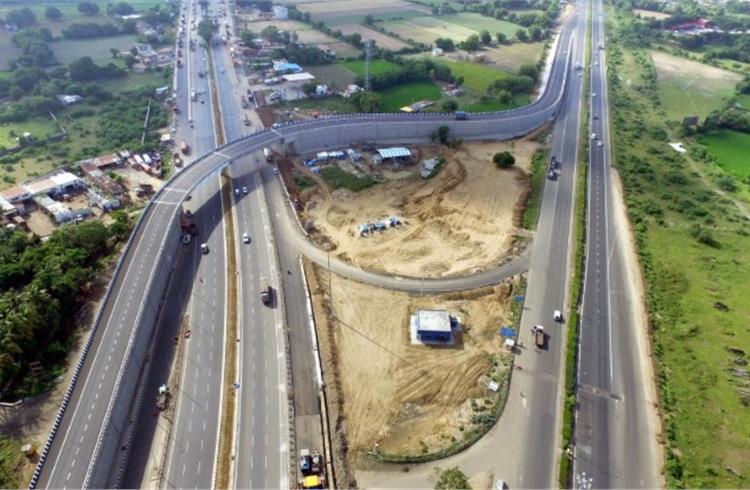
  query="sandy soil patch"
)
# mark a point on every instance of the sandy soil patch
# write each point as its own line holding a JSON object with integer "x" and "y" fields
{"x": 650, "y": 14}
{"x": 305, "y": 33}
{"x": 459, "y": 221}
{"x": 510, "y": 57}
{"x": 339, "y": 76}
{"x": 398, "y": 397}
{"x": 381, "y": 39}
{"x": 694, "y": 74}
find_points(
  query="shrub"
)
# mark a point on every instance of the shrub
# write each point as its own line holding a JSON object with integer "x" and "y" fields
{"x": 504, "y": 159}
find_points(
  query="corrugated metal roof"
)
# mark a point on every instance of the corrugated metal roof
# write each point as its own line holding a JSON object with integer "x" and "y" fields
{"x": 396, "y": 152}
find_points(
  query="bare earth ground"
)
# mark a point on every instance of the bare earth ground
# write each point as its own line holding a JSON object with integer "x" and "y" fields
{"x": 355, "y": 6}
{"x": 651, "y": 14}
{"x": 381, "y": 39}
{"x": 463, "y": 219}
{"x": 385, "y": 392}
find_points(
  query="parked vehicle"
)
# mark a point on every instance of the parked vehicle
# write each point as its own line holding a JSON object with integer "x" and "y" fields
{"x": 539, "y": 336}
{"x": 184, "y": 147}
{"x": 461, "y": 116}
{"x": 558, "y": 316}
{"x": 204, "y": 248}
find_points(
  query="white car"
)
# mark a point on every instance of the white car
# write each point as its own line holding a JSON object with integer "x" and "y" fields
{"x": 558, "y": 316}
{"x": 244, "y": 190}
{"x": 593, "y": 136}
{"x": 599, "y": 143}
{"x": 204, "y": 248}
{"x": 245, "y": 238}
{"x": 237, "y": 191}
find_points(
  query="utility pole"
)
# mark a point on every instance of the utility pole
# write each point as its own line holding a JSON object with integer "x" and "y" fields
{"x": 368, "y": 55}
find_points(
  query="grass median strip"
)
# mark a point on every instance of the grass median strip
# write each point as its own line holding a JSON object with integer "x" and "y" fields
{"x": 224, "y": 460}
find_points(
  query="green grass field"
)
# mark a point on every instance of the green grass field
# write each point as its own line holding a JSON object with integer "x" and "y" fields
{"x": 397, "y": 97}
{"x": 477, "y": 77}
{"x": 744, "y": 101}
{"x": 494, "y": 105}
{"x": 708, "y": 86}
{"x": 455, "y": 26}
{"x": 376, "y": 67}
{"x": 41, "y": 127}
{"x": 731, "y": 149}
{"x": 694, "y": 250}
{"x": 99, "y": 50}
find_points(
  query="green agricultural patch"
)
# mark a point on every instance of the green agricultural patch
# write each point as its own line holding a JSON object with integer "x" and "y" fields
{"x": 455, "y": 26}
{"x": 706, "y": 85}
{"x": 397, "y": 97}
{"x": 477, "y": 77}
{"x": 376, "y": 67}
{"x": 732, "y": 151}
{"x": 335, "y": 177}
{"x": 98, "y": 49}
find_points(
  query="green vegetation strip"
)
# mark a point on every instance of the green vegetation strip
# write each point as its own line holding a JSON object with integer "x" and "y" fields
{"x": 336, "y": 178}
{"x": 537, "y": 177}
{"x": 226, "y": 429}
{"x": 576, "y": 288}
{"x": 12, "y": 462}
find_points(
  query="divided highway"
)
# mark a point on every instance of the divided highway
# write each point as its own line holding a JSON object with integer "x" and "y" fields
{"x": 615, "y": 437}
{"x": 81, "y": 449}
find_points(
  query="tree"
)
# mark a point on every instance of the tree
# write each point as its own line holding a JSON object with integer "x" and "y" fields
{"x": 367, "y": 101}
{"x": 449, "y": 105}
{"x": 22, "y": 17}
{"x": 115, "y": 52}
{"x": 88, "y": 8}
{"x": 485, "y": 37}
{"x": 471, "y": 43}
{"x": 441, "y": 134}
{"x": 53, "y": 13}
{"x": 123, "y": 8}
{"x": 445, "y": 43}
{"x": 504, "y": 159}
{"x": 500, "y": 38}
{"x": 309, "y": 88}
{"x": 530, "y": 71}
{"x": 451, "y": 479}
{"x": 270, "y": 33}
{"x": 129, "y": 60}
{"x": 207, "y": 29}
{"x": 536, "y": 33}
{"x": 522, "y": 36}
{"x": 369, "y": 19}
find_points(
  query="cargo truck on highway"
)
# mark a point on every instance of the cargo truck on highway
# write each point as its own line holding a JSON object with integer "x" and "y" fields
{"x": 266, "y": 293}
{"x": 539, "y": 336}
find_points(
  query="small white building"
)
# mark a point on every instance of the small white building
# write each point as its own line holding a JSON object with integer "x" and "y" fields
{"x": 298, "y": 79}
{"x": 281, "y": 13}
{"x": 69, "y": 99}
{"x": 437, "y": 52}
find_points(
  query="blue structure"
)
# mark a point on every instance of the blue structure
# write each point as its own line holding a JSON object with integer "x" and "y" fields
{"x": 434, "y": 326}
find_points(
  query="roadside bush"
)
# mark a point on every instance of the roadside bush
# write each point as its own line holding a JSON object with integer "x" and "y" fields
{"x": 704, "y": 236}
{"x": 504, "y": 159}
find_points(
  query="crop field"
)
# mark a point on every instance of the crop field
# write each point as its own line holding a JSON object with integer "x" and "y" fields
{"x": 510, "y": 57}
{"x": 477, "y": 77}
{"x": 651, "y": 14}
{"x": 455, "y": 26}
{"x": 707, "y": 85}
{"x": 377, "y": 67}
{"x": 731, "y": 149}
{"x": 397, "y": 97}
{"x": 99, "y": 50}
{"x": 341, "y": 12}
{"x": 382, "y": 40}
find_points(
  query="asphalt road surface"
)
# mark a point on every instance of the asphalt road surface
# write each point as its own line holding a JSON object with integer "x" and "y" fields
{"x": 70, "y": 457}
{"x": 614, "y": 438}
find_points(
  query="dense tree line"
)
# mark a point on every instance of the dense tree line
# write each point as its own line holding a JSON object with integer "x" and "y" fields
{"x": 41, "y": 286}
{"x": 410, "y": 71}
{"x": 85, "y": 30}
{"x": 303, "y": 54}
{"x": 34, "y": 48}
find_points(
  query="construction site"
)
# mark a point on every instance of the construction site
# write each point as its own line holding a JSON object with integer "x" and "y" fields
{"x": 456, "y": 212}
{"x": 390, "y": 398}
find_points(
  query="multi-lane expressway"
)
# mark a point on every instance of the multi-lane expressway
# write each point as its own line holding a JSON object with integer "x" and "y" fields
{"x": 76, "y": 450}
{"x": 615, "y": 443}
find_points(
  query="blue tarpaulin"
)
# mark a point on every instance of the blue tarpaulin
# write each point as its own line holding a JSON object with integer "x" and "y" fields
{"x": 507, "y": 332}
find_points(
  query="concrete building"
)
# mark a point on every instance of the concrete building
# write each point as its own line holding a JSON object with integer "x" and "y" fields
{"x": 61, "y": 182}
{"x": 297, "y": 80}
{"x": 433, "y": 326}
{"x": 281, "y": 13}
{"x": 397, "y": 154}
